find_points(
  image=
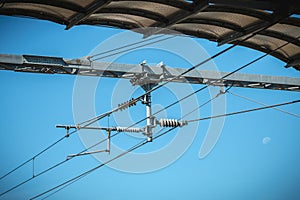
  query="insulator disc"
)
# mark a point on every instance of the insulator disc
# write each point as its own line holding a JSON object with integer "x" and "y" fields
{"x": 130, "y": 130}
{"x": 171, "y": 123}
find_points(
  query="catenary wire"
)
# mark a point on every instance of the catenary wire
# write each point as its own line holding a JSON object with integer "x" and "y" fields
{"x": 21, "y": 165}
{"x": 208, "y": 101}
{"x": 133, "y": 48}
{"x": 125, "y": 46}
{"x": 27, "y": 161}
{"x": 190, "y": 69}
{"x": 76, "y": 178}
{"x": 245, "y": 111}
{"x": 263, "y": 104}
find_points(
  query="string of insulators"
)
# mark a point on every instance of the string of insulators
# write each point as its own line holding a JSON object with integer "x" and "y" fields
{"x": 127, "y": 104}
{"x": 129, "y": 130}
{"x": 171, "y": 123}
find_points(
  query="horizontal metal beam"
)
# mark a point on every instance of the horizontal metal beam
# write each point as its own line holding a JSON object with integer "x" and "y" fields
{"x": 84, "y": 67}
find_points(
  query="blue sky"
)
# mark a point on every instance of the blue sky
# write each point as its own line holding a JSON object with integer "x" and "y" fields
{"x": 239, "y": 167}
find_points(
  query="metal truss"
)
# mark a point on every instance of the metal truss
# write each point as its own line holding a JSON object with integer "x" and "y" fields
{"x": 142, "y": 72}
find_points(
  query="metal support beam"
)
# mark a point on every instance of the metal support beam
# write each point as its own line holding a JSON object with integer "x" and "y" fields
{"x": 150, "y": 119}
{"x": 92, "y": 8}
{"x": 155, "y": 74}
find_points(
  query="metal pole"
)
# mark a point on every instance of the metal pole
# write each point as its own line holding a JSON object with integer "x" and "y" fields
{"x": 149, "y": 115}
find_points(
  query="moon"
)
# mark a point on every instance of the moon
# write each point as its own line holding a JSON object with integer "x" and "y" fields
{"x": 266, "y": 140}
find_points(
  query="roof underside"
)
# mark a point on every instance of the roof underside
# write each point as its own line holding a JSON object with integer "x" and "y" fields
{"x": 271, "y": 23}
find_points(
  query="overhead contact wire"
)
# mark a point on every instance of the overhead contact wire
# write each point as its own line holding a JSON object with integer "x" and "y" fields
{"x": 245, "y": 111}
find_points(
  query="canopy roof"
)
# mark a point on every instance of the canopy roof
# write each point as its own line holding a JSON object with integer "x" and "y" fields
{"x": 271, "y": 23}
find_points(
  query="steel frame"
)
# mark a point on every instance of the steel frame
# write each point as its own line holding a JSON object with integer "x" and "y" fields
{"x": 84, "y": 67}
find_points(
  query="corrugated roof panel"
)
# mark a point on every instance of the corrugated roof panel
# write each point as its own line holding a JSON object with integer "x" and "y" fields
{"x": 216, "y": 31}
{"x": 289, "y": 30}
{"x": 136, "y": 21}
{"x": 226, "y": 21}
{"x": 36, "y": 10}
{"x": 237, "y": 19}
{"x": 82, "y": 3}
{"x": 270, "y": 43}
{"x": 161, "y": 9}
